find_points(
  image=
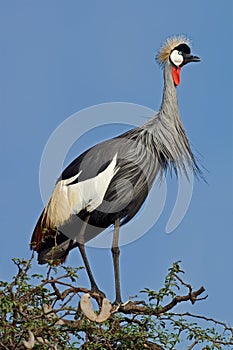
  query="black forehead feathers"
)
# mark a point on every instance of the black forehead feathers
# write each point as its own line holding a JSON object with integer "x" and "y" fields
{"x": 183, "y": 48}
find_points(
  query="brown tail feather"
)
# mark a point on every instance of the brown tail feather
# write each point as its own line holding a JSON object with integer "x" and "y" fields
{"x": 57, "y": 254}
{"x": 38, "y": 234}
{"x": 47, "y": 240}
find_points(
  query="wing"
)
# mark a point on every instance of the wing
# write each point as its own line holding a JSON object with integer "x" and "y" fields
{"x": 81, "y": 187}
{"x": 111, "y": 180}
{"x": 137, "y": 167}
{"x": 72, "y": 195}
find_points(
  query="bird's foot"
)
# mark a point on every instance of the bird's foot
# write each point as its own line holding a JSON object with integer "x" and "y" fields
{"x": 97, "y": 294}
{"x": 116, "y": 304}
{"x": 118, "y": 300}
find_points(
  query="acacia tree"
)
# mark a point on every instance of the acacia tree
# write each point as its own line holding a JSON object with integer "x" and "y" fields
{"x": 54, "y": 312}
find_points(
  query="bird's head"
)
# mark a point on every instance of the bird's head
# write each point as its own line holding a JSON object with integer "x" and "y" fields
{"x": 176, "y": 50}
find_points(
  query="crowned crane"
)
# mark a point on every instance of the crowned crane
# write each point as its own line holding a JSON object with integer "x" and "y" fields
{"x": 107, "y": 184}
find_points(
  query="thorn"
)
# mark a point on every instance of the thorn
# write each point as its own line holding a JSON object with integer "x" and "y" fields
{"x": 31, "y": 341}
{"x": 127, "y": 302}
{"x": 105, "y": 312}
{"x": 42, "y": 341}
{"x": 87, "y": 308}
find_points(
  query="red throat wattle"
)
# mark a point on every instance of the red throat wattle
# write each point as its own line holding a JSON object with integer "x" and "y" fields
{"x": 176, "y": 75}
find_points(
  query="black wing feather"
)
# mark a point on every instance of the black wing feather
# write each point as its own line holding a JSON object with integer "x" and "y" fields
{"x": 129, "y": 187}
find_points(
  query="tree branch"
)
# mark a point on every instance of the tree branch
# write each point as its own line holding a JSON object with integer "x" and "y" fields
{"x": 134, "y": 308}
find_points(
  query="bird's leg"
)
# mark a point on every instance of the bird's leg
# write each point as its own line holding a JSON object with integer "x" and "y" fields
{"x": 81, "y": 247}
{"x": 115, "y": 255}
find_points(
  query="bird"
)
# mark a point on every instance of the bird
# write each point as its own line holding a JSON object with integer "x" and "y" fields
{"x": 108, "y": 183}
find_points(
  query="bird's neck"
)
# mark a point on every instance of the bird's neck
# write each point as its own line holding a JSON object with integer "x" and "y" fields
{"x": 169, "y": 107}
{"x": 166, "y": 130}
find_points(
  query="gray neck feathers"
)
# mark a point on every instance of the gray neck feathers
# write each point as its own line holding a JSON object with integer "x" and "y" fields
{"x": 169, "y": 107}
{"x": 166, "y": 133}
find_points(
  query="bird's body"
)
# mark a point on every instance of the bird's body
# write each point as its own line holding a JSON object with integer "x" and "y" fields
{"x": 108, "y": 183}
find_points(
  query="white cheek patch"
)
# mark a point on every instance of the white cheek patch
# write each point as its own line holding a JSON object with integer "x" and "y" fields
{"x": 176, "y": 58}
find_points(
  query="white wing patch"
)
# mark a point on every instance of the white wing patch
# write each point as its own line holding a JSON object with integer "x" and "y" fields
{"x": 68, "y": 199}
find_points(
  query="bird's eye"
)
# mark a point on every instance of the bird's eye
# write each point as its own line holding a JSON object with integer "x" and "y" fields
{"x": 179, "y": 52}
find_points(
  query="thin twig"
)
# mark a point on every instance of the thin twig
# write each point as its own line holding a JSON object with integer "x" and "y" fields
{"x": 196, "y": 341}
{"x": 133, "y": 308}
{"x": 205, "y": 318}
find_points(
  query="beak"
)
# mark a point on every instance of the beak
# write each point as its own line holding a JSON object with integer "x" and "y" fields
{"x": 190, "y": 58}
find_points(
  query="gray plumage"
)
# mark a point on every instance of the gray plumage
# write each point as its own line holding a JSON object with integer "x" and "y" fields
{"x": 128, "y": 163}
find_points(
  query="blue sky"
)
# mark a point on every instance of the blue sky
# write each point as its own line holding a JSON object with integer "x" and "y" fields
{"x": 58, "y": 57}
